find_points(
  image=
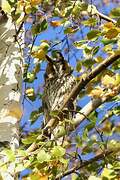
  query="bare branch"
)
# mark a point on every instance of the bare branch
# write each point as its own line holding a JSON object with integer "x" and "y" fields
{"x": 93, "y": 11}
{"x": 102, "y": 16}
{"x": 92, "y": 105}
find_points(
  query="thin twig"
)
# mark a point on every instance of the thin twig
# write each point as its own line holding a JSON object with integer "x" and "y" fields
{"x": 84, "y": 164}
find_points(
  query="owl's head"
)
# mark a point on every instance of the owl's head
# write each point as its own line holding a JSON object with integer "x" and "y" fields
{"x": 57, "y": 66}
{"x": 3, "y": 16}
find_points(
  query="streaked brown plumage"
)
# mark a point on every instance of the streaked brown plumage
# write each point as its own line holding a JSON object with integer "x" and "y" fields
{"x": 59, "y": 82}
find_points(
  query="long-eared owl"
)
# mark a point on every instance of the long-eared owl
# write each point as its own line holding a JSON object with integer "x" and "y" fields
{"x": 59, "y": 82}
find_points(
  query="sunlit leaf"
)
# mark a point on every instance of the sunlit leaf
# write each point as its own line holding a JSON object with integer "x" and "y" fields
{"x": 108, "y": 81}
{"x": 108, "y": 41}
{"x": 30, "y": 93}
{"x": 55, "y": 23}
{"x": 96, "y": 92}
{"x": 95, "y": 50}
{"x": 78, "y": 141}
{"x": 112, "y": 33}
{"x": 10, "y": 154}
{"x": 93, "y": 34}
{"x": 94, "y": 178}
{"x": 58, "y": 151}
{"x": 108, "y": 173}
{"x": 115, "y": 12}
{"x": 43, "y": 156}
{"x": 90, "y": 22}
{"x": 71, "y": 30}
{"x": 78, "y": 44}
{"x": 107, "y": 128}
{"x": 79, "y": 65}
{"x": 44, "y": 45}
{"x": 44, "y": 25}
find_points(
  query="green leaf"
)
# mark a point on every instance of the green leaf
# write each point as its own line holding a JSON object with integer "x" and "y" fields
{"x": 54, "y": 113}
{"x": 85, "y": 135}
{"x": 36, "y": 29}
{"x": 35, "y": 115}
{"x": 93, "y": 34}
{"x": 95, "y": 50}
{"x": 79, "y": 65}
{"x": 108, "y": 174}
{"x": 93, "y": 116}
{"x": 109, "y": 41}
{"x": 61, "y": 132}
{"x": 78, "y": 141}
{"x": 30, "y": 77}
{"x": 44, "y": 25}
{"x": 37, "y": 68}
{"x": 116, "y": 110}
{"x": 64, "y": 161}
{"x": 10, "y": 154}
{"x": 90, "y": 126}
{"x": 43, "y": 156}
{"x": 115, "y": 12}
{"x": 88, "y": 63}
{"x": 68, "y": 11}
{"x": 58, "y": 151}
{"x": 29, "y": 139}
{"x": 118, "y": 22}
{"x": 78, "y": 44}
{"x": 90, "y": 22}
{"x": 71, "y": 30}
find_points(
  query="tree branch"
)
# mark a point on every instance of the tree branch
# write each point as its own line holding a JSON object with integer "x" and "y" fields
{"x": 86, "y": 110}
{"x": 102, "y": 16}
{"x": 92, "y": 105}
{"x": 93, "y": 11}
{"x": 84, "y": 164}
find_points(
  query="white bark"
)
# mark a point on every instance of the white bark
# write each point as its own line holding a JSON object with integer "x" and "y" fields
{"x": 10, "y": 89}
{"x": 10, "y": 84}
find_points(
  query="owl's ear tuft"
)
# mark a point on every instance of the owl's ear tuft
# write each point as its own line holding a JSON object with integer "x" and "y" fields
{"x": 49, "y": 59}
{"x": 3, "y": 16}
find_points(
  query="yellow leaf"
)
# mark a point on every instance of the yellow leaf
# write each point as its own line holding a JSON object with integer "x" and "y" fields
{"x": 96, "y": 93}
{"x": 117, "y": 79}
{"x": 44, "y": 177}
{"x": 108, "y": 173}
{"x": 98, "y": 59}
{"x": 94, "y": 178}
{"x": 107, "y": 128}
{"x": 108, "y": 25}
{"x": 40, "y": 54}
{"x": 6, "y": 7}
{"x": 29, "y": 92}
{"x": 28, "y": 9}
{"x": 112, "y": 33}
{"x": 35, "y": 2}
{"x": 44, "y": 45}
{"x": 108, "y": 81}
{"x": 37, "y": 176}
{"x": 55, "y": 23}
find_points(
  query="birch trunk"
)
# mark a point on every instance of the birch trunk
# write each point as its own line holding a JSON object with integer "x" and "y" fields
{"x": 10, "y": 89}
